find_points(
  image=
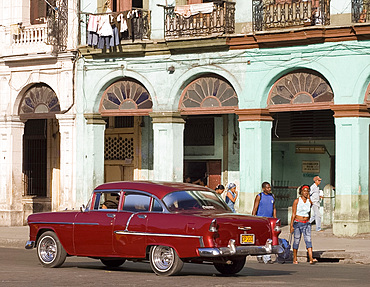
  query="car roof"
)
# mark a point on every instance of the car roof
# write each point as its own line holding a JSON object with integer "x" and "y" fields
{"x": 159, "y": 189}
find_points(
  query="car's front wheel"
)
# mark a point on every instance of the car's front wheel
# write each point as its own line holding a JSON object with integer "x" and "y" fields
{"x": 233, "y": 266}
{"x": 165, "y": 261}
{"x": 113, "y": 262}
{"x": 50, "y": 251}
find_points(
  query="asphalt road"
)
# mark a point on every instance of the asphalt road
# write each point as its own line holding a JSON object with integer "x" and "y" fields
{"x": 21, "y": 268}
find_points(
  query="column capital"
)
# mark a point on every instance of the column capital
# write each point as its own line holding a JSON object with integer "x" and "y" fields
{"x": 350, "y": 111}
{"x": 254, "y": 115}
{"x": 94, "y": 119}
{"x": 166, "y": 117}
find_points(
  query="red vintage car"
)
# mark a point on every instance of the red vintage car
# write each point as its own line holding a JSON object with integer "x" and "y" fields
{"x": 166, "y": 224}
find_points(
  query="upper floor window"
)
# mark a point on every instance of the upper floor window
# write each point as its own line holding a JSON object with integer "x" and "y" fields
{"x": 124, "y": 5}
{"x": 38, "y": 11}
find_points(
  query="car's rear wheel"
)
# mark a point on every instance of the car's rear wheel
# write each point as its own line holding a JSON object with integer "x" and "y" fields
{"x": 50, "y": 251}
{"x": 112, "y": 262}
{"x": 165, "y": 261}
{"x": 234, "y": 266}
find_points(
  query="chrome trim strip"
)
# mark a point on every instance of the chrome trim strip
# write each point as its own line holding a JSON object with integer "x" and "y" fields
{"x": 126, "y": 232}
{"x": 244, "y": 228}
{"x": 128, "y": 221}
{"x": 65, "y": 223}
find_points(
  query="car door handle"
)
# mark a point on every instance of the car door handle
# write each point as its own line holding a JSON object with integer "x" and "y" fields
{"x": 111, "y": 215}
{"x": 142, "y": 216}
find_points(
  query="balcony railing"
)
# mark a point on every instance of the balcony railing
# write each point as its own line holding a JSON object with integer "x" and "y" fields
{"x": 136, "y": 23}
{"x": 277, "y": 14}
{"x": 220, "y": 21}
{"x": 35, "y": 34}
{"x": 360, "y": 11}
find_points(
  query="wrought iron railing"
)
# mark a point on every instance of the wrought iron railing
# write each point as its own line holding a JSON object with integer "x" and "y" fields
{"x": 219, "y": 22}
{"x": 138, "y": 24}
{"x": 284, "y": 196}
{"x": 360, "y": 11}
{"x": 277, "y": 14}
{"x": 57, "y": 24}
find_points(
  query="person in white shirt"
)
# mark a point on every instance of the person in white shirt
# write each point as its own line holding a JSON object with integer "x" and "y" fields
{"x": 315, "y": 196}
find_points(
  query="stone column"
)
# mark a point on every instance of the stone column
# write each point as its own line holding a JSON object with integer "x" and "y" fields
{"x": 351, "y": 215}
{"x": 11, "y": 176}
{"x": 90, "y": 160}
{"x": 255, "y": 154}
{"x": 65, "y": 197}
{"x": 168, "y": 146}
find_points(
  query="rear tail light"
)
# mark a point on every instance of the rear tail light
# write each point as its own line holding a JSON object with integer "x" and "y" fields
{"x": 277, "y": 226}
{"x": 213, "y": 227}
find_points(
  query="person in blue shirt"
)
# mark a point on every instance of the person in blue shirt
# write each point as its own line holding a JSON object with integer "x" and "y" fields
{"x": 231, "y": 196}
{"x": 264, "y": 203}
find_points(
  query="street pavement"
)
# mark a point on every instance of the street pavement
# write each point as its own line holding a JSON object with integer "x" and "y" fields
{"x": 326, "y": 246}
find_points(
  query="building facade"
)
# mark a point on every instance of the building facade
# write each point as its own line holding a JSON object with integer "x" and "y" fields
{"x": 218, "y": 91}
{"x": 37, "y": 67}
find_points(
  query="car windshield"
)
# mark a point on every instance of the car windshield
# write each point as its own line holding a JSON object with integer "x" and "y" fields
{"x": 194, "y": 200}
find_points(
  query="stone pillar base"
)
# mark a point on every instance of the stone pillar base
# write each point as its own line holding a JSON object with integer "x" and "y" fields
{"x": 350, "y": 228}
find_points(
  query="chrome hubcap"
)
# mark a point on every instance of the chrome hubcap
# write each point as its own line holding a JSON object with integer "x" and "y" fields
{"x": 47, "y": 249}
{"x": 163, "y": 257}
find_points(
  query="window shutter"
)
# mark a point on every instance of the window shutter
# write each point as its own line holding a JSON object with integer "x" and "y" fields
{"x": 125, "y": 5}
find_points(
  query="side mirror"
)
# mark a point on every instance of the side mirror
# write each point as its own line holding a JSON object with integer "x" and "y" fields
{"x": 82, "y": 208}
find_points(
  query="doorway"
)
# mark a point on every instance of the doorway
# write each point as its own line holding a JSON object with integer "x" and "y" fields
{"x": 35, "y": 157}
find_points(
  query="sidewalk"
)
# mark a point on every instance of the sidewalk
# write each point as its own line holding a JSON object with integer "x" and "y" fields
{"x": 326, "y": 246}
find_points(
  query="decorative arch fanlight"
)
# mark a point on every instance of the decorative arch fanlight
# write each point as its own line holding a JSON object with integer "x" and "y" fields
{"x": 208, "y": 94}
{"x": 126, "y": 97}
{"x": 301, "y": 87}
{"x": 39, "y": 100}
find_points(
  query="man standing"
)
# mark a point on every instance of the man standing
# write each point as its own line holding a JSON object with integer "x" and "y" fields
{"x": 315, "y": 197}
{"x": 264, "y": 203}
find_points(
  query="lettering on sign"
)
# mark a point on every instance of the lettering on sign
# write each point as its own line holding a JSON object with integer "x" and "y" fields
{"x": 310, "y": 166}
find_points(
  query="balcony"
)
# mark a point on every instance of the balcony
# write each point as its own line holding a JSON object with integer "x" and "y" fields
{"x": 180, "y": 21}
{"x": 361, "y": 11}
{"x": 278, "y": 14}
{"x": 133, "y": 25}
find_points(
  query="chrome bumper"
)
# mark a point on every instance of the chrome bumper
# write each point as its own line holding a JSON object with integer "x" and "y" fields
{"x": 231, "y": 249}
{"x": 30, "y": 244}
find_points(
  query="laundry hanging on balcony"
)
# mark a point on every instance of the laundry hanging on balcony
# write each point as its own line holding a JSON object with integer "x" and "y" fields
{"x": 105, "y": 31}
{"x": 194, "y": 9}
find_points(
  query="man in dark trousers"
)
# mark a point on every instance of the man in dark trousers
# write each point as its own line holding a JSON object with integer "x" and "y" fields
{"x": 264, "y": 204}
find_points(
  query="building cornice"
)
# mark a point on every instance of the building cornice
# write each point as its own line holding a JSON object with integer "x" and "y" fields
{"x": 347, "y": 111}
{"x": 253, "y": 115}
{"x": 300, "y": 36}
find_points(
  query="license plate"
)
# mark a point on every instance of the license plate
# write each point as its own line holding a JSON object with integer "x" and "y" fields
{"x": 246, "y": 238}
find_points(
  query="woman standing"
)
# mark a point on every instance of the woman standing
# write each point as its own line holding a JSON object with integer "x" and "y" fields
{"x": 300, "y": 222}
{"x": 231, "y": 196}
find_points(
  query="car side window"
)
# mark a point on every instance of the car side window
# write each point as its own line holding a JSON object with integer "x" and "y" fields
{"x": 106, "y": 201}
{"x": 136, "y": 202}
{"x": 156, "y": 206}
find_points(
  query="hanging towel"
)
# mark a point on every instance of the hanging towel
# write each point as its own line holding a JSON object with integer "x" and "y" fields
{"x": 93, "y": 23}
{"x": 104, "y": 26}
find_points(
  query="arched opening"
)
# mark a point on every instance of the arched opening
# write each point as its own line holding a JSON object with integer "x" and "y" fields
{"x": 211, "y": 133}
{"x": 41, "y": 146}
{"x": 303, "y": 136}
{"x": 125, "y": 105}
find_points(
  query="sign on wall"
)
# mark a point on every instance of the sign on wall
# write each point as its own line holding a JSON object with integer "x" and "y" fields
{"x": 310, "y": 166}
